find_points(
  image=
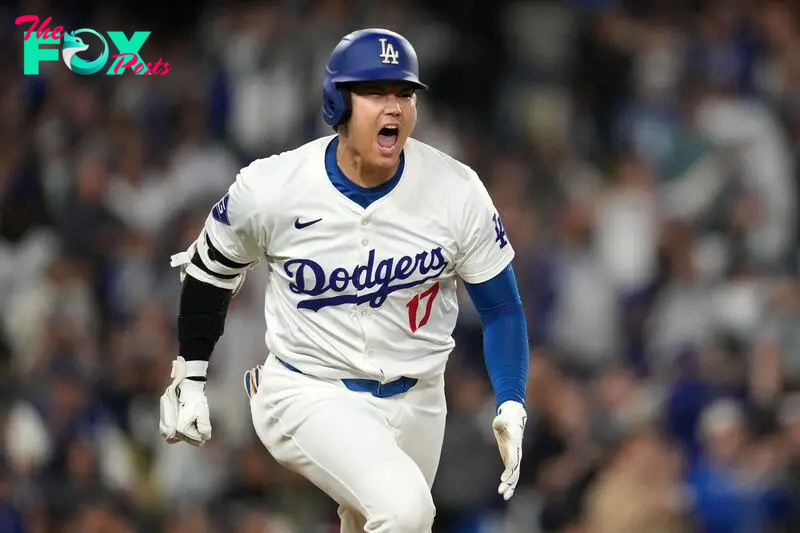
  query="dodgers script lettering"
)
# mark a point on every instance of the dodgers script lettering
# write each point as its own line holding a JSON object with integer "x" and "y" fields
{"x": 380, "y": 280}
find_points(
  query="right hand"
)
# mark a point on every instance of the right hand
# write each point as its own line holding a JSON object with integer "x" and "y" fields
{"x": 184, "y": 408}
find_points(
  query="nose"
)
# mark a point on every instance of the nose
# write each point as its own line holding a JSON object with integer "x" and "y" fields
{"x": 393, "y": 105}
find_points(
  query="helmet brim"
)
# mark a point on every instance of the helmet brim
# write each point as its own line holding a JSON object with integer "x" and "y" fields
{"x": 378, "y": 75}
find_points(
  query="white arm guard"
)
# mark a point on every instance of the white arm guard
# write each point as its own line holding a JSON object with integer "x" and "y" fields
{"x": 205, "y": 263}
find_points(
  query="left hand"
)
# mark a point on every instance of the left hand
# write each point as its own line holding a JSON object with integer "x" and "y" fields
{"x": 183, "y": 407}
{"x": 508, "y": 427}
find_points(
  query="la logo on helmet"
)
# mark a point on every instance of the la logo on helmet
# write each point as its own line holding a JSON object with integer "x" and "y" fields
{"x": 388, "y": 54}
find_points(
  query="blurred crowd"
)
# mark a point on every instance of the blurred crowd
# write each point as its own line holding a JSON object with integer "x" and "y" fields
{"x": 644, "y": 157}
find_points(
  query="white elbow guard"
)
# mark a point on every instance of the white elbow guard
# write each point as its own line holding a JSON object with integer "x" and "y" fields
{"x": 207, "y": 264}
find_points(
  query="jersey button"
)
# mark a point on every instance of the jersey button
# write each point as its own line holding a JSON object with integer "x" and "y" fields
{"x": 364, "y": 242}
{"x": 365, "y": 222}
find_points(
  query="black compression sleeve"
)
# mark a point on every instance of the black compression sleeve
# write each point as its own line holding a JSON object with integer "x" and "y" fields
{"x": 201, "y": 319}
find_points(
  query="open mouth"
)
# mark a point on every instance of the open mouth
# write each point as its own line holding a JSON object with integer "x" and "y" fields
{"x": 387, "y": 137}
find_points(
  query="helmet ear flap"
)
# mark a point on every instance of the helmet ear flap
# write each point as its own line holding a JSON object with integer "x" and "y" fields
{"x": 335, "y": 104}
{"x": 347, "y": 105}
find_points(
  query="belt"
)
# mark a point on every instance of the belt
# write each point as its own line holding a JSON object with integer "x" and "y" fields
{"x": 372, "y": 386}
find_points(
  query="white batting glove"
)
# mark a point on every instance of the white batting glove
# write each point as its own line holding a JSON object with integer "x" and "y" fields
{"x": 184, "y": 408}
{"x": 508, "y": 427}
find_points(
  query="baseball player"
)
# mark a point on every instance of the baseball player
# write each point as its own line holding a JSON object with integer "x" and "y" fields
{"x": 365, "y": 234}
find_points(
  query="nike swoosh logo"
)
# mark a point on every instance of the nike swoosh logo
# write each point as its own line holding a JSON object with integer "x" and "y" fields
{"x": 301, "y": 225}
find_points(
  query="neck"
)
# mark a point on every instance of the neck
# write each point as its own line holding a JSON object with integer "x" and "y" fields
{"x": 357, "y": 170}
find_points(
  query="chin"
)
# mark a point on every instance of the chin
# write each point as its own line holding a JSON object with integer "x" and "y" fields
{"x": 387, "y": 157}
{"x": 382, "y": 162}
{"x": 385, "y": 161}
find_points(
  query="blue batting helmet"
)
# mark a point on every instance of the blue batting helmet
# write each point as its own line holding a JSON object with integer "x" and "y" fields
{"x": 372, "y": 54}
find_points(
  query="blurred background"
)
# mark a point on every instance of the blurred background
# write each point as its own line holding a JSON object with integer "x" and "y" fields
{"x": 643, "y": 155}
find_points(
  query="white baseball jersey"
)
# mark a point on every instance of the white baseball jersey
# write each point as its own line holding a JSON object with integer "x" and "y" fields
{"x": 356, "y": 292}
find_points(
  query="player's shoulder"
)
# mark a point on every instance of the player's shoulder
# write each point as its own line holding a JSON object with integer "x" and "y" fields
{"x": 444, "y": 166}
{"x": 453, "y": 179}
{"x": 277, "y": 170}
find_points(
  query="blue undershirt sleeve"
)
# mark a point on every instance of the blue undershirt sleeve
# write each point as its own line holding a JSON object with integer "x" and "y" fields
{"x": 505, "y": 334}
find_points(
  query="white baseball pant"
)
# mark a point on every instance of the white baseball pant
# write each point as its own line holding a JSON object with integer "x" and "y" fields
{"x": 376, "y": 457}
